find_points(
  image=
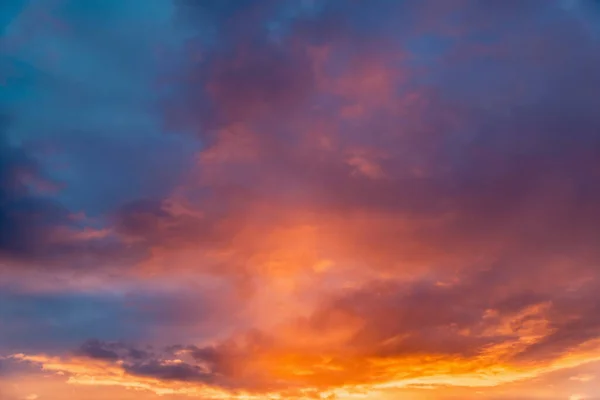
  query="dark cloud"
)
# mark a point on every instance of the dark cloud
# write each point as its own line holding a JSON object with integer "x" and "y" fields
{"x": 27, "y": 220}
{"x": 204, "y": 354}
{"x": 149, "y": 362}
{"x": 246, "y": 73}
{"x": 93, "y": 348}
{"x": 227, "y": 365}
{"x": 153, "y": 221}
{"x": 35, "y": 226}
{"x": 169, "y": 372}
{"x": 56, "y": 177}
{"x": 143, "y": 165}
{"x": 137, "y": 354}
{"x": 113, "y": 351}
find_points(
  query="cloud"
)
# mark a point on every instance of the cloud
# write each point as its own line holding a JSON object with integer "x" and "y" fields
{"x": 397, "y": 195}
{"x": 35, "y": 225}
{"x": 74, "y": 98}
{"x": 94, "y": 349}
{"x": 498, "y": 179}
{"x": 39, "y": 319}
{"x": 457, "y": 181}
{"x": 168, "y": 372}
{"x": 582, "y": 378}
{"x": 483, "y": 200}
{"x": 19, "y": 231}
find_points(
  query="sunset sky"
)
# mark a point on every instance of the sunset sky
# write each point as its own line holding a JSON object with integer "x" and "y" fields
{"x": 299, "y": 199}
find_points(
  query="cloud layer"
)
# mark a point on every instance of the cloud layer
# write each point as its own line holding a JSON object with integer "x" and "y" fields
{"x": 302, "y": 198}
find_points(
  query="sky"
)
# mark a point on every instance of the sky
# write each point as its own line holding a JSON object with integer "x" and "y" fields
{"x": 299, "y": 199}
